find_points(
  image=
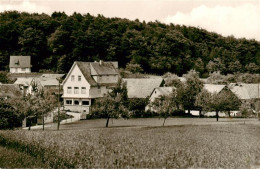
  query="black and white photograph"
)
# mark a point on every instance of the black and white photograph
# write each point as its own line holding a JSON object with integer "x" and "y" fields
{"x": 130, "y": 84}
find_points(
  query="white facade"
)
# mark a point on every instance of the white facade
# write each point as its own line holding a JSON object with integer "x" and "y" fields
{"x": 76, "y": 92}
{"x": 80, "y": 88}
{"x": 20, "y": 70}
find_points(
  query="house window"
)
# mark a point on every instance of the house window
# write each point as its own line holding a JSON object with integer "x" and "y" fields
{"x": 85, "y": 103}
{"x": 68, "y": 101}
{"x": 83, "y": 90}
{"x": 76, "y": 102}
{"x": 76, "y": 90}
{"x": 23, "y": 69}
{"x": 79, "y": 78}
{"x": 72, "y": 78}
{"x": 69, "y": 90}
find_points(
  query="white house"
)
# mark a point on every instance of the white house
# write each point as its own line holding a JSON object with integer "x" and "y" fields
{"x": 20, "y": 64}
{"x": 87, "y": 81}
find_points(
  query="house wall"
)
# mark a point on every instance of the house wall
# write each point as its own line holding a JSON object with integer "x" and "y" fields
{"x": 154, "y": 95}
{"x": 96, "y": 92}
{"x": 20, "y": 70}
{"x": 83, "y": 109}
{"x": 76, "y": 83}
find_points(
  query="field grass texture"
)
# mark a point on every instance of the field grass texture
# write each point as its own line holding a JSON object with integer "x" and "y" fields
{"x": 184, "y": 146}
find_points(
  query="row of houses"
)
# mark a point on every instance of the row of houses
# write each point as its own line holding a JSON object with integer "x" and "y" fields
{"x": 87, "y": 81}
{"x": 26, "y": 82}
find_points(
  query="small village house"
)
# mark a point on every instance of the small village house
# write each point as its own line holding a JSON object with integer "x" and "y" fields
{"x": 20, "y": 64}
{"x": 142, "y": 87}
{"x": 217, "y": 89}
{"x": 87, "y": 81}
{"x": 248, "y": 93}
{"x": 157, "y": 93}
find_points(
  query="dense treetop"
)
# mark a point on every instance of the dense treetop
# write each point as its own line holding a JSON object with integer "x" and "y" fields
{"x": 56, "y": 41}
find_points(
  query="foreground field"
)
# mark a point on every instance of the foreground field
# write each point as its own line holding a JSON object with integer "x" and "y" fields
{"x": 227, "y": 145}
{"x": 151, "y": 122}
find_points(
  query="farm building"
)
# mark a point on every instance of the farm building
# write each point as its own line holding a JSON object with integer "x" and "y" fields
{"x": 45, "y": 82}
{"x": 248, "y": 93}
{"x": 87, "y": 81}
{"x": 216, "y": 89}
{"x": 20, "y": 64}
{"x": 142, "y": 87}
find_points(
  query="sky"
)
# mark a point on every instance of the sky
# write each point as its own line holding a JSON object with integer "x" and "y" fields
{"x": 240, "y": 18}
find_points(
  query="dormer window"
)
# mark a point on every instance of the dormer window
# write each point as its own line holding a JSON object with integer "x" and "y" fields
{"x": 17, "y": 62}
{"x": 72, "y": 78}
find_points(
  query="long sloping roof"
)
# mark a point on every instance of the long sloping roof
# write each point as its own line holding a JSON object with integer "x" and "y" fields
{"x": 212, "y": 88}
{"x": 54, "y": 76}
{"x": 105, "y": 68}
{"x": 85, "y": 70}
{"x": 141, "y": 88}
{"x": 245, "y": 91}
{"x": 24, "y": 81}
{"x": 10, "y": 90}
{"x": 20, "y": 61}
{"x": 47, "y": 81}
{"x": 253, "y": 90}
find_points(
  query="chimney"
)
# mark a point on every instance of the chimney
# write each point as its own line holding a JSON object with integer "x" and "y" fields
{"x": 100, "y": 62}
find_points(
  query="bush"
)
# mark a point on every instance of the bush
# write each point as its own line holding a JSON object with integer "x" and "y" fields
{"x": 9, "y": 117}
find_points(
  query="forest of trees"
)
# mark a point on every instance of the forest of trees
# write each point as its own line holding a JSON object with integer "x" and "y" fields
{"x": 56, "y": 41}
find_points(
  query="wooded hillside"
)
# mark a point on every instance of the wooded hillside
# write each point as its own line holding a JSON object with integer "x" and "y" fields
{"x": 56, "y": 41}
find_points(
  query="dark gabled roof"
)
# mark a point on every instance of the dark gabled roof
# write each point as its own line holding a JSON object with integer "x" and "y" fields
{"x": 20, "y": 61}
{"x": 103, "y": 68}
{"x": 89, "y": 69}
{"x": 85, "y": 69}
{"x": 10, "y": 90}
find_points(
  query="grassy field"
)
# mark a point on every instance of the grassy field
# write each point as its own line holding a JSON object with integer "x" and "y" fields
{"x": 9, "y": 158}
{"x": 190, "y": 144}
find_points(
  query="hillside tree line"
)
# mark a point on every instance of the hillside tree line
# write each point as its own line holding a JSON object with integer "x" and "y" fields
{"x": 56, "y": 41}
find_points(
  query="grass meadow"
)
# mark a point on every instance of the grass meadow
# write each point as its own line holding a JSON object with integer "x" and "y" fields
{"x": 193, "y": 144}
